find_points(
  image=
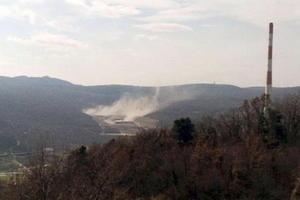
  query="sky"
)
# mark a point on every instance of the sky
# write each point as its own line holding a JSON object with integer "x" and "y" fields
{"x": 150, "y": 42}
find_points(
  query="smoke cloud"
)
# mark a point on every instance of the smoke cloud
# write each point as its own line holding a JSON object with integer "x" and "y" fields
{"x": 129, "y": 106}
{"x": 133, "y": 106}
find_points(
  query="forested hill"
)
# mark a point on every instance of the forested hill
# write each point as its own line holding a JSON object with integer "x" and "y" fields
{"x": 35, "y": 110}
{"x": 46, "y": 109}
{"x": 241, "y": 155}
{"x": 210, "y": 99}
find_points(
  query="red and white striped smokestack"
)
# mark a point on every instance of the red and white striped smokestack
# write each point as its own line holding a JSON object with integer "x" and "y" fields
{"x": 269, "y": 73}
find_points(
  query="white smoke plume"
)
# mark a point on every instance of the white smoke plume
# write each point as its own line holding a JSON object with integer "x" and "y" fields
{"x": 129, "y": 106}
{"x": 133, "y": 106}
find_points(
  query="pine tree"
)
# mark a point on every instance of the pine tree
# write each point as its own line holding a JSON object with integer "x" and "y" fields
{"x": 183, "y": 129}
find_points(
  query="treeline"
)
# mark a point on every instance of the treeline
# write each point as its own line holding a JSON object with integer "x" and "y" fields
{"x": 242, "y": 155}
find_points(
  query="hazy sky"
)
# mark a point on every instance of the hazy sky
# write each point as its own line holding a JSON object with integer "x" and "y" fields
{"x": 150, "y": 42}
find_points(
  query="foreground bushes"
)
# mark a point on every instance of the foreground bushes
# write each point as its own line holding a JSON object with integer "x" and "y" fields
{"x": 237, "y": 156}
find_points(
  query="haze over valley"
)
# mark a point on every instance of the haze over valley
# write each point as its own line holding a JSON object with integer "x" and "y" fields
{"x": 62, "y": 114}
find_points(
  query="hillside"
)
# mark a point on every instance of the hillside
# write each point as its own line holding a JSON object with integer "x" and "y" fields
{"x": 48, "y": 110}
{"x": 241, "y": 155}
{"x": 209, "y": 99}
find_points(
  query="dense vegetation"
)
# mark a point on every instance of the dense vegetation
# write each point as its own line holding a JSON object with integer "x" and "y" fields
{"x": 242, "y": 155}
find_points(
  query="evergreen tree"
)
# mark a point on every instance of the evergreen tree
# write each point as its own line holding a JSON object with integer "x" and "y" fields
{"x": 184, "y": 129}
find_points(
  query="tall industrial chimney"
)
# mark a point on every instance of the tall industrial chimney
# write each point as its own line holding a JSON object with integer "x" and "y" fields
{"x": 268, "y": 89}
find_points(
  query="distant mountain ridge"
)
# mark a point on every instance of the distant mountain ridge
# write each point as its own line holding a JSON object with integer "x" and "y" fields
{"x": 37, "y": 110}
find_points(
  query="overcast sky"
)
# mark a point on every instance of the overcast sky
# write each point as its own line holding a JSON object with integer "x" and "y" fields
{"x": 150, "y": 42}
